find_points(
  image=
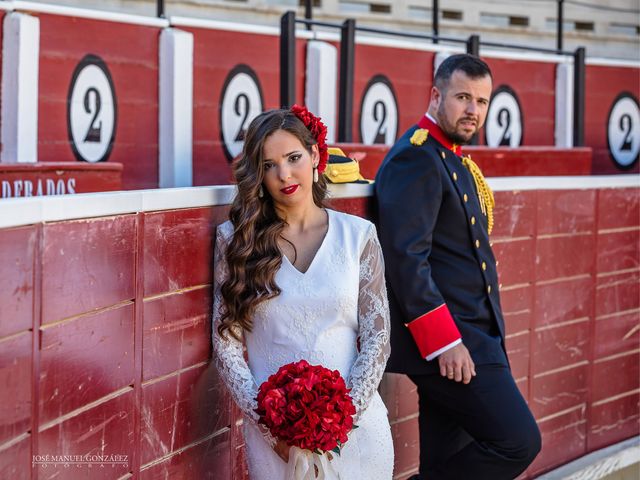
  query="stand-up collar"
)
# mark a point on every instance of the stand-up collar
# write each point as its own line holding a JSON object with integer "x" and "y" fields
{"x": 436, "y": 132}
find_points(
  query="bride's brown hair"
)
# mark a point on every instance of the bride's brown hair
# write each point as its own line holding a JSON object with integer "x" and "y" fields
{"x": 253, "y": 255}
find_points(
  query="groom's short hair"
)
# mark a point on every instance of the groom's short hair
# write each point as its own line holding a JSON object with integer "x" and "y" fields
{"x": 472, "y": 66}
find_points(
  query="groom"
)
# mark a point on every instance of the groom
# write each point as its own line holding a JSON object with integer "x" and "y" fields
{"x": 435, "y": 213}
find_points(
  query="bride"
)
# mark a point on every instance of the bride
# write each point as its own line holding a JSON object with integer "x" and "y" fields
{"x": 295, "y": 280}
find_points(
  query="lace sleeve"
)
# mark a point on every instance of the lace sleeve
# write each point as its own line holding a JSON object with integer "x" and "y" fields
{"x": 228, "y": 352}
{"x": 373, "y": 321}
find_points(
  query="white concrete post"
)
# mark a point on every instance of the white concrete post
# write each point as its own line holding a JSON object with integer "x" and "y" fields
{"x": 176, "y": 108}
{"x": 438, "y": 58}
{"x": 321, "y": 84}
{"x": 564, "y": 105}
{"x": 20, "y": 60}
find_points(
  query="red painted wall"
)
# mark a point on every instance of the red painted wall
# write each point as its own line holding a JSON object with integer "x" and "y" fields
{"x": 131, "y": 54}
{"x": 603, "y": 85}
{"x": 105, "y": 336}
{"x": 410, "y": 73}
{"x": 534, "y": 84}
{"x": 216, "y": 53}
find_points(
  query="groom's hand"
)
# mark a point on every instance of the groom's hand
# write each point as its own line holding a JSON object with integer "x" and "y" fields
{"x": 282, "y": 449}
{"x": 456, "y": 364}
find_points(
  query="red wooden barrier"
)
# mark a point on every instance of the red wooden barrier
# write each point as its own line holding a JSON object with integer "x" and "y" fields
{"x": 58, "y": 178}
{"x": 494, "y": 162}
{"x": 105, "y": 325}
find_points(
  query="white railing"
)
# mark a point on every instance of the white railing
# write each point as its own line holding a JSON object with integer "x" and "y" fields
{"x": 26, "y": 211}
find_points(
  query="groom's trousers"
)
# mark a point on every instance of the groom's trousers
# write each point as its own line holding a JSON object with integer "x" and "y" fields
{"x": 482, "y": 431}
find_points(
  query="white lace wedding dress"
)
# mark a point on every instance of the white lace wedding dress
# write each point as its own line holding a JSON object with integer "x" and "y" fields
{"x": 336, "y": 315}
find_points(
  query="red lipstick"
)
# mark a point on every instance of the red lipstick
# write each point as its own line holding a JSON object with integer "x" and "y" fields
{"x": 291, "y": 189}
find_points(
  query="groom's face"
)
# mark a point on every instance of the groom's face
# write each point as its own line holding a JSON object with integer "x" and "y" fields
{"x": 462, "y": 105}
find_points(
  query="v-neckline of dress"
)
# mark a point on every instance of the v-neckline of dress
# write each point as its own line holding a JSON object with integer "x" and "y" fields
{"x": 318, "y": 251}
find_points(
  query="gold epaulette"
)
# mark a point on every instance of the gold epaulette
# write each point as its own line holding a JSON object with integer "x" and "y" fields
{"x": 419, "y": 137}
{"x": 485, "y": 195}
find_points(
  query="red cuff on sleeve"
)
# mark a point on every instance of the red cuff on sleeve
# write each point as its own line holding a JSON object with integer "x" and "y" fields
{"x": 434, "y": 330}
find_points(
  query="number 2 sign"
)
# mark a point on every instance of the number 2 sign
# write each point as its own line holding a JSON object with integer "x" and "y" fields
{"x": 241, "y": 102}
{"x": 623, "y": 130}
{"x": 504, "y": 119}
{"x": 379, "y": 112}
{"x": 91, "y": 110}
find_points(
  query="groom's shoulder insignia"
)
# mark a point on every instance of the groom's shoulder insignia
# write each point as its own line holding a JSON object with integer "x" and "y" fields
{"x": 419, "y": 137}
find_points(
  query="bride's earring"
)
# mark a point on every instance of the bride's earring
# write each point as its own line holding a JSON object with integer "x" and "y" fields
{"x": 260, "y": 192}
{"x": 315, "y": 174}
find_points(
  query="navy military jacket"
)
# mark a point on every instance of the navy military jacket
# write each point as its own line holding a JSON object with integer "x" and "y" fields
{"x": 436, "y": 248}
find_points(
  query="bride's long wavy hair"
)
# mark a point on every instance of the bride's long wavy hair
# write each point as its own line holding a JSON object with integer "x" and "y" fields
{"x": 253, "y": 255}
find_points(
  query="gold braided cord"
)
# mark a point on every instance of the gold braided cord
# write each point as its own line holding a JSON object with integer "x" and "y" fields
{"x": 485, "y": 195}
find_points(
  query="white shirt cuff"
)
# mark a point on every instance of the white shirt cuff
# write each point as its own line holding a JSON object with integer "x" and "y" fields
{"x": 443, "y": 349}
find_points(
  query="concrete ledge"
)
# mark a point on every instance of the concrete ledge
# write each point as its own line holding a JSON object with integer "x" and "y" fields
{"x": 608, "y": 463}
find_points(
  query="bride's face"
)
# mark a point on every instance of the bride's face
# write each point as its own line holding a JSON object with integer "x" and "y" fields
{"x": 288, "y": 169}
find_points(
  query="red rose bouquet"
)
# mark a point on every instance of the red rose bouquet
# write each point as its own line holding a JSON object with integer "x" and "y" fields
{"x": 307, "y": 406}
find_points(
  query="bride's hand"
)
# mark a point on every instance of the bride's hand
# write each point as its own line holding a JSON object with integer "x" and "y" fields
{"x": 282, "y": 449}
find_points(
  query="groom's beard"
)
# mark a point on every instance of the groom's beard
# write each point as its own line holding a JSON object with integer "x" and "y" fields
{"x": 454, "y": 131}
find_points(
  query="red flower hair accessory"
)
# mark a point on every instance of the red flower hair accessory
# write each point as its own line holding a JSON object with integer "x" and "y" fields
{"x": 317, "y": 129}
